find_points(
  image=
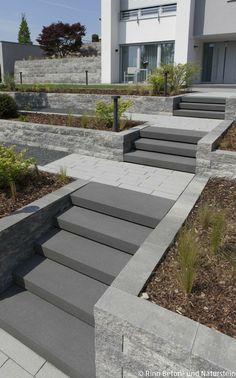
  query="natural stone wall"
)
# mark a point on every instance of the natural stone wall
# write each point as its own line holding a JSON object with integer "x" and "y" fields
{"x": 230, "y": 108}
{"x": 59, "y": 71}
{"x": 103, "y": 144}
{"x": 83, "y": 103}
{"x": 19, "y": 231}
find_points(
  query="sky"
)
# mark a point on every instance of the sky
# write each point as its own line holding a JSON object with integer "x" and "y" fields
{"x": 41, "y": 13}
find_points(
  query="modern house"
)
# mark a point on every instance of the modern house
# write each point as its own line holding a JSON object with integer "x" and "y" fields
{"x": 139, "y": 35}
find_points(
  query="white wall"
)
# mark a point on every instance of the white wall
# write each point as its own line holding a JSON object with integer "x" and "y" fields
{"x": 110, "y": 10}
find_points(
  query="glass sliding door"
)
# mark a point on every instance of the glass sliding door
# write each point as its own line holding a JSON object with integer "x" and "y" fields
{"x": 167, "y": 53}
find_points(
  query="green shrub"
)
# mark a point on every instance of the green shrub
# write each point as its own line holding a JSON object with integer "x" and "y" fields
{"x": 188, "y": 257}
{"x": 13, "y": 167}
{"x": 9, "y": 82}
{"x": 218, "y": 231}
{"x": 180, "y": 76}
{"x": 206, "y": 215}
{"x": 104, "y": 111}
{"x": 8, "y": 107}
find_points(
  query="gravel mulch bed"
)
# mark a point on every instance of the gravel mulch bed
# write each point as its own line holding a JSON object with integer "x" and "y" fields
{"x": 229, "y": 141}
{"x": 84, "y": 122}
{"x": 213, "y": 299}
{"x": 30, "y": 189}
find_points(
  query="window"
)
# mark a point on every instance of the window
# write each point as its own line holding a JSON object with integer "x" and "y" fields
{"x": 149, "y": 12}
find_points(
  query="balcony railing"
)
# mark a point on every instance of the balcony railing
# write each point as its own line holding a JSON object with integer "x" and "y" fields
{"x": 149, "y": 12}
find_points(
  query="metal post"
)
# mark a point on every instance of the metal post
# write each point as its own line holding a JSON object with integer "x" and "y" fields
{"x": 166, "y": 83}
{"x": 86, "y": 72}
{"x": 116, "y": 119}
{"x": 21, "y": 78}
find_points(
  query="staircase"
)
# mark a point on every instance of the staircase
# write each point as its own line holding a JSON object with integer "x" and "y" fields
{"x": 167, "y": 148}
{"x": 50, "y": 306}
{"x": 201, "y": 107}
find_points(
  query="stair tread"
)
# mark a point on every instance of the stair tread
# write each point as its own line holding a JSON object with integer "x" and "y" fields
{"x": 199, "y": 113}
{"x": 60, "y": 338}
{"x": 72, "y": 291}
{"x": 125, "y": 204}
{"x": 83, "y": 255}
{"x": 167, "y": 147}
{"x": 204, "y": 99}
{"x": 170, "y": 134}
{"x": 202, "y": 106}
{"x": 104, "y": 229}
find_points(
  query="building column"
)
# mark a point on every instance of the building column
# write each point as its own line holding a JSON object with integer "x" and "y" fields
{"x": 110, "y": 14}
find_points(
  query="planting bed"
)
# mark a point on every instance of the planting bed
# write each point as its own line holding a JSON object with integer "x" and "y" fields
{"x": 84, "y": 122}
{"x": 213, "y": 299}
{"x": 229, "y": 141}
{"x": 30, "y": 189}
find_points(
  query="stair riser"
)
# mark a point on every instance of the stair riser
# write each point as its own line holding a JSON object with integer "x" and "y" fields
{"x": 98, "y": 237}
{"x": 199, "y": 106}
{"x": 169, "y": 137}
{"x": 160, "y": 164}
{"x": 56, "y": 301}
{"x": 198, "y": 114}
{"x": 165, "y": 150}
{"x": 75, "y": 265}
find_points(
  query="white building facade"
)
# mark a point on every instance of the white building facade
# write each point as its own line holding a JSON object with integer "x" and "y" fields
{"x": 140, "y": 35}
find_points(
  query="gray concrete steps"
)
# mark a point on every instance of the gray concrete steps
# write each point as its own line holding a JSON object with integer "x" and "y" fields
{"x": 170, "y": 134}
{"x": 113, "y": 232}
{"x": 63, "y": 287}
{"x": 59, "y": 337}
{"x": 166, "y": 147}
{"x": 154, "y": 159}
{"x": 202, "y": 106}
{"x": 96, "y": 260}
{"x": 121, "y": 203}
{"x": 199, "y": 114}
{"x": 204, "y": 99}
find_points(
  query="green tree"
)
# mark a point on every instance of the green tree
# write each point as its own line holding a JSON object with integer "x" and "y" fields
{"x": 24, "y": 32}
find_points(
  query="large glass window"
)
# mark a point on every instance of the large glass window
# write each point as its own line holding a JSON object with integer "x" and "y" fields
{"x": 167, "y": 53}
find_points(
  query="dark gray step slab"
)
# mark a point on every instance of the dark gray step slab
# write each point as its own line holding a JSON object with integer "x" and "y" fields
{"x": 154, "y": 159}
{"x": 202, "y": 106}
{"x": 199, "y": 114}
{"x": 71, "y": 291}
{"x": 166, "y": 147}
{"x": 96, "y": 260}
{"x": 59, "y": 337}
{"x": 170, "y": 134}
{"x": 204, "y": 99}
{"x": 104, "y": 229}
{"x": 121, "y": 203}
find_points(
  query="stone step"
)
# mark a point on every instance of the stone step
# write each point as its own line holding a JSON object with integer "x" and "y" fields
{"x": 63, "y": 287}
{"x": 198, "y": 114}
{"x": 166, "y": 147}
{"x": 170, "y": 134}
{"x": 202, "y": 106}
{"x": 104, "y": 229}
{"x": 121, "y": 203}
{"x": 57, "y": 336}
{"x": 154, "y": 159}
{"x": 96, "y": 260}
{"x": 204, "y": 99}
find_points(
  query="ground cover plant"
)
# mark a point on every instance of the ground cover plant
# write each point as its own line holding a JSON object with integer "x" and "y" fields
{"x": 229, "y": 140}
{"x": 197, "y": 278}
{"x": 21, "y": 182}
{"x": 8, "y": 107}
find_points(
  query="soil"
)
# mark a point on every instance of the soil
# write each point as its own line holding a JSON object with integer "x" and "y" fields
{"x": 30, "y": 189}
{"x": 229, "y": 140}
{"x": 213, "y": 298}
{"x": 85, "y": 122}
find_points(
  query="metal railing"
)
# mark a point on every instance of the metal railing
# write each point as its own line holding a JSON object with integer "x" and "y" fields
{"x": 149, "y": 12}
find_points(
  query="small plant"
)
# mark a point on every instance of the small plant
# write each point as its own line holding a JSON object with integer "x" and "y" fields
{"x": 70, "y": 119}
{"x": 104, "y": 111}
{"x": 85, "y": 121}
{"x": 23, "y": 118}
{"x": 8, "y": 107}
{"x": 218, "y": 231}
{"x": 188, "y": 258}
{"x": 63, "y": 175}
{"x": 13, "y": 167}
{"x": 206, "y": 215}
{"x": 9, "y": 82}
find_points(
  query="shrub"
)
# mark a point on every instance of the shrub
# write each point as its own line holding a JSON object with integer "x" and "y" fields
{"x": 9, "y": 82}
{"x": 188, "y": 256}
{"x": 13, "y": 167}
{"x": 179, "y": 76}
{"x": 95, "y": 38}
{"x": 206, "y": 215}
{"x": 8, "y": 107}
{"x": 104, "y": 111}
{"x": 218, "y": 231}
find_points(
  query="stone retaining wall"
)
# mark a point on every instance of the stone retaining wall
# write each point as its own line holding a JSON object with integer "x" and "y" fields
{"x": 19, "y": 231}
{"x": 217, "y": 163}
{"x": 136, "y": 338}
{"x": 83, "y": 103}
{"x": 103, "y": 144}
{"x": 59, "y": 71}
{"x": 230, "y": 108}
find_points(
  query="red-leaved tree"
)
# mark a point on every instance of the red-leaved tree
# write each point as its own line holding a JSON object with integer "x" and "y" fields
{"x": 59, "y": 39}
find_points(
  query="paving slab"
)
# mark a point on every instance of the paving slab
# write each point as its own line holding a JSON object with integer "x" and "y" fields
{"x": 11, "y": 370}
{"x": 50, "y": 371}
{"x": 3, "y": 358}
